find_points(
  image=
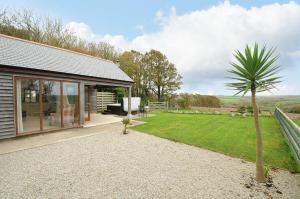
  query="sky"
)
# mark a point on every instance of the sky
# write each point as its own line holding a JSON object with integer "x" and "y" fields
{"x": 199, "y": 37}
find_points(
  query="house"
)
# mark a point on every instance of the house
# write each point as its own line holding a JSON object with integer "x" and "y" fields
{"x": 44, "y": 88}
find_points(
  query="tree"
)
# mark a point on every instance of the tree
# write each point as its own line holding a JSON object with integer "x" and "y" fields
{"x": 255, "y": 71}
{"x": 103, "y": 50}
{"x": 24, "y": 24}
{"x": 163, "y": 74}
{"x": 130, "y": 63}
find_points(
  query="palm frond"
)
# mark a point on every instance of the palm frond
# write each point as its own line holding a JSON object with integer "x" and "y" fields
{"x": 255, "y": 69}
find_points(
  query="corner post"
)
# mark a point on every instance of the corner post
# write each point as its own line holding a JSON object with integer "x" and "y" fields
{"x": 82, "y": 103}
{"x": 129, "y": 103}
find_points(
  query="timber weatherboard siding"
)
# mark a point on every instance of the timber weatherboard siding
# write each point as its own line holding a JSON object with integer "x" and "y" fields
{"x": 7, "y": 119}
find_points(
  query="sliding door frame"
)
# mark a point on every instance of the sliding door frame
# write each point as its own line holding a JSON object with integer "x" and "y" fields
{"x": 88, "y": 118}
{"x": 40, "y": 94}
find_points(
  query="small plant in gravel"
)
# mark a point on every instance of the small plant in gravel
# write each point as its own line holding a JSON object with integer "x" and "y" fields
{"x": 267, "y": 171}
{"x": 125, "y": 121}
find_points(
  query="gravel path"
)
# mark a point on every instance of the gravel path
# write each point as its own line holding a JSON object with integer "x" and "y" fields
{"x": 137, "y": 165}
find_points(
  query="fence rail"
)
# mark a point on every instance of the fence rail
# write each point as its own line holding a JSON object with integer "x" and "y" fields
{"x": 158, "y": 106}
{"x": 291, "y": 132}
{"x": 103, "y": 99}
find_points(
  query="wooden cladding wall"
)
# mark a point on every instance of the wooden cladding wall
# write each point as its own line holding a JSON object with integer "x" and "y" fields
{"x": 103, "y": 99}
{"x": 7, "y": 123}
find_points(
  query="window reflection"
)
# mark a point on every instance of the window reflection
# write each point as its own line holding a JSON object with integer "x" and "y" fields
{"x": 71, "y": 102}
{"x": 51, "y": 104}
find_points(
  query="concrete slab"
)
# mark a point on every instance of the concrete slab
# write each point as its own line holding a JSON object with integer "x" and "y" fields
{"x": 100, "y": 119}
{"x": 37, "y": 140}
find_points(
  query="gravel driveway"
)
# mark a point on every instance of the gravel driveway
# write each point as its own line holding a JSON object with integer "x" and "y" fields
{"x": 137, "y": 165}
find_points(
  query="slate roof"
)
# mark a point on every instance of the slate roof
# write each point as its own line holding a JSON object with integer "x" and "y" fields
{"x": 26, "y": 54}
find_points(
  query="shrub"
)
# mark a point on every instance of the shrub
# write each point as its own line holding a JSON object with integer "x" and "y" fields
{"x": 125, "y": 121}
{"x": 250, "y": 109}
{"x": 295, "y": 109}
{"x": 184, "y": 101}
{"x": 242, "y": 109}
{"x": 205, "y": 101}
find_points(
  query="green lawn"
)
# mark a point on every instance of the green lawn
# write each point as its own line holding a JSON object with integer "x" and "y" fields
{"x": 233, "y": 136}
{"x": 297, "y": 121}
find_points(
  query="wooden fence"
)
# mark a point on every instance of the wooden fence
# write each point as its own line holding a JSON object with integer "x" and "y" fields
{"x": 291, "y": 132}
{"x": 158, "y": 106}
{"x": 105, "y": 98}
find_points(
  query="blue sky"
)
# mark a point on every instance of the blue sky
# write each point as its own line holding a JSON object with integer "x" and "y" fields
{"x": 158, "y": 24}
{"x": 118, "y": 16}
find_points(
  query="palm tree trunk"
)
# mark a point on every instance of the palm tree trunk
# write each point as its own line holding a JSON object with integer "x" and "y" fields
{"x": 259, "y": 145}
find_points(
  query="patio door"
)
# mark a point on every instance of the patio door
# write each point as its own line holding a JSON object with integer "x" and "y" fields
{"x": 87, "y": 103}
{"x": 45, "y": 104}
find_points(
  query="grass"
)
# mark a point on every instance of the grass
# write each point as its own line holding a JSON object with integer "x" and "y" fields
{"x": 233, "y": 136}
{"x": 297, "y": 121}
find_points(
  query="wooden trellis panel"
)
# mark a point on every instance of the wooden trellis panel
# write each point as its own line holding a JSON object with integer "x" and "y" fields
{"x": 105, "y": 98}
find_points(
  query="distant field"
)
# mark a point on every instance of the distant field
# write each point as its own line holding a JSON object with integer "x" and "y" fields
{"x": 267, "y": 103}
{"x": 234, "y": 136}
{"x": 232, "y": 101}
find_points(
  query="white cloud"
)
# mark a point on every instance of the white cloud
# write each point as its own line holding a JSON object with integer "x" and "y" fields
{"x": 200, "y": 43}
{"x": 294, "y": 53}
{"x": 162, "y": 19}
{"x": 140, "y": 28}
{"x": 84, "y": 31}
{"x": 81, "y": 30}
{"x": 284, "y": 89}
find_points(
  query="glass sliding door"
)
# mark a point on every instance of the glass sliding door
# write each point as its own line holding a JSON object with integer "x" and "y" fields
{"x": 70, "y": 104}
{"x": 28, "y": 112}
{"x": 51, "y": 104}
{"x": 44, "y": 104}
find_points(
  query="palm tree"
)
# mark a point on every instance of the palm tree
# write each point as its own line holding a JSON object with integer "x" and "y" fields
{"x": 254, "y": 71}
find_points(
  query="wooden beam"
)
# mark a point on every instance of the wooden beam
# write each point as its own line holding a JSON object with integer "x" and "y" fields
{"x": 42, "y": 73}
